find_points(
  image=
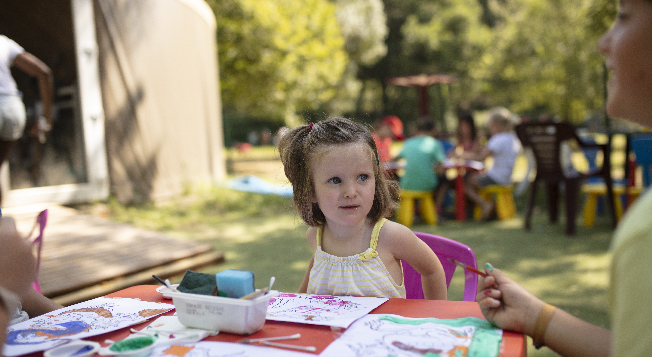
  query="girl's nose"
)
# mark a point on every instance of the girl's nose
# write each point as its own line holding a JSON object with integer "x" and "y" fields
{"x": 350, "y": 191}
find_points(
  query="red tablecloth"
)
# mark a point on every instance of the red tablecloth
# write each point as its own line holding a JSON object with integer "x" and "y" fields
{"x": 321, "y": 336}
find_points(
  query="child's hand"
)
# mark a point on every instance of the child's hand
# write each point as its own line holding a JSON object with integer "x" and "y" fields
{"x": 506, "y": 304}
{"x": 17, "y": 264}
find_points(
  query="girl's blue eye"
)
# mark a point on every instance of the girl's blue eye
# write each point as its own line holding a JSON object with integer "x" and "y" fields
{"x": 363, "y": 177}
{"x": 335, "y": 180}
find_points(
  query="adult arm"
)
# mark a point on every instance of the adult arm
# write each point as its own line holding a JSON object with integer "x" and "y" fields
{"x": 33, "y": 66}
{"x": 510, "y": 306}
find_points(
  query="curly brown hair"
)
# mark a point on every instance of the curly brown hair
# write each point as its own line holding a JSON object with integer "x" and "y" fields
{"x": 297, "y": 148}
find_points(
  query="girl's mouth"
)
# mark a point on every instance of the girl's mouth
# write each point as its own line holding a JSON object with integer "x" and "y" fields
{"x": 349, "y": 207}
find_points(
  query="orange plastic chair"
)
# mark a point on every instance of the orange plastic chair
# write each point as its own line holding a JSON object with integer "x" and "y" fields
{"x": 444, "y": 248}
{"x": 41, "y": 221}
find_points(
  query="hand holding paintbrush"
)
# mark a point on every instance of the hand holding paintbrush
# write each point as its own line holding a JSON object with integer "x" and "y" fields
{"x": 467, "y": 267}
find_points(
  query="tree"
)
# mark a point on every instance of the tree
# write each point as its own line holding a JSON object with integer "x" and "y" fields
{"x": 363, "y": 25}
{"x": 546, "y": 59}
{"x": 278, "y": 57}
{"x": 532, "y": 56}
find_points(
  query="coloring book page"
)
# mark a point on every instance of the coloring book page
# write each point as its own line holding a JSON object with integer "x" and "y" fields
{"x": 90, "y": 318}
{"x": 397, "y": 336}
{"x": 222, "y": 349}
{"x": 336, "y": 311}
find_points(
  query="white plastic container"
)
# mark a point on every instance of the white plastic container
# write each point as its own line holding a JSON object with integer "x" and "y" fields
{"x": 216, "y": 313}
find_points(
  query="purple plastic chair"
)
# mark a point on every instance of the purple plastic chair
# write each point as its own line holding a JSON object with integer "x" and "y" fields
{"x": 444, "y": 248}
{"x": 41, "y": 221}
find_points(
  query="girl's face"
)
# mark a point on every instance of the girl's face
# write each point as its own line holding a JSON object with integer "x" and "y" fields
{"x": 627, "y": 47}
{"x": 344, "y": 182}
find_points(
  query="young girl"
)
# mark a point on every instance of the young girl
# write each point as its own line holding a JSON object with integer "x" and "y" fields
{"x": 341, "y": 193}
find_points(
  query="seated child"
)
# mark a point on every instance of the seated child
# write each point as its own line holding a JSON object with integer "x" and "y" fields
{"x": 423, "y": 156}
{"x": 504, "y": 147}
{"x": 343, "y": 196}
{"x": 468, "y": 140}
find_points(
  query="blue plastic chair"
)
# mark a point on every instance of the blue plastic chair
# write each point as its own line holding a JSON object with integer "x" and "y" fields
{"x": 642, "y": 147}
{"x": 444, "y": 248}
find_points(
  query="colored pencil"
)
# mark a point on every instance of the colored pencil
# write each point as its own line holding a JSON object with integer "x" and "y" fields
{"x": 467, "y": 267}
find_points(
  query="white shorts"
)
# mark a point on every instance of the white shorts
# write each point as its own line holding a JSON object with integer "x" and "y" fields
{"x": 12, "y": 117}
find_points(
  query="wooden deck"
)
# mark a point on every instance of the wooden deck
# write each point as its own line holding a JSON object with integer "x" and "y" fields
{"x": 85, "y": 256}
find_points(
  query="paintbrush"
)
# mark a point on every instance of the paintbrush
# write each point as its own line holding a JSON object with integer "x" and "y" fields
{"x": 467, "y": 267}
{"x": 267, "y": 341}
{"x": 165, "y": 282}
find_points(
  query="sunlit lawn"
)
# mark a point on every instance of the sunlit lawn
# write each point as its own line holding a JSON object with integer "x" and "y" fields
{"x": 262, "y": 233}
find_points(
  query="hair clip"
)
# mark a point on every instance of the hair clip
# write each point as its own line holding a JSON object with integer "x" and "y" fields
{"x": 310, "y": 125}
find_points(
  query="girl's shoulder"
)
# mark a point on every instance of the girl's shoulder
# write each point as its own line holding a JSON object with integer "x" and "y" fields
{"x": 311, "y": 236}
{"x": 393, "y": 232}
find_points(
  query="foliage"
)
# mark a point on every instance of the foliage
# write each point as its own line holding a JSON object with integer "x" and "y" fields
{"x": 278, "y": 57}
{"x": 283, "y": 58}
{"x": 364, "y": 30}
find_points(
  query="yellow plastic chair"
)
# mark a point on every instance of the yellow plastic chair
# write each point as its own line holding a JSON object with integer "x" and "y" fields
{"x": 405, "y": 215}
{"x": 594, "y": 191}
{"x": 504, "y": 199}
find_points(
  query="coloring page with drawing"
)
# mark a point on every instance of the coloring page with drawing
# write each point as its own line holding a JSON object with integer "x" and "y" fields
{"x": 335, "y": 311}
{"x": 398, "y": 336}
{"x": 90, "y": 318}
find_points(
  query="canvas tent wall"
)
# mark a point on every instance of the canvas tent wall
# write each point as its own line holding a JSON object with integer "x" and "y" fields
{"x": 142, "y": 109}
{"x": 159, "y": 74}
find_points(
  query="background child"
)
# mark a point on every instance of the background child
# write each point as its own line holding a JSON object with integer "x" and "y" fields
{"x": 423, "y": 156}
{"x": 468, "y": 140}
{"x": 341, "y": 193}
{"x": 504, "y": 147}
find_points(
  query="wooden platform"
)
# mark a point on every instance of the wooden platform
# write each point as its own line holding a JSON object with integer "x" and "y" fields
{"x": 85, "y": 256}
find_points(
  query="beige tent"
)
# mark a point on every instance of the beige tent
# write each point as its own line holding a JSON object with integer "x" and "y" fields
{"x": 138, "y": 107}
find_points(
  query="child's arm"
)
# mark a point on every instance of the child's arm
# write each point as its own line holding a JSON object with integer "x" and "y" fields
{"x": 480, "y": 154}
{"x": 304, "y": 284}
{"x": 405, "y": 245}
{"x": 311, "y": 237}
{"x": 426, "y": 263}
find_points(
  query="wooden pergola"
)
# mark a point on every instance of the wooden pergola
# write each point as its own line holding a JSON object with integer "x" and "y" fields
{"x": 422, "y": 82}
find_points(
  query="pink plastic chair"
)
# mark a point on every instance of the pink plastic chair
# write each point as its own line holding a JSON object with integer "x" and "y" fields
{"x": 444, "y": 248}
{"x": 41, "y": 221}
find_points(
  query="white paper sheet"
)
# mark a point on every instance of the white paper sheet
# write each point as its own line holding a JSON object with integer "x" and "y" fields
{"x": 397, "y": 336}
{"x": 336, "y": 311}
{"x": 89, "y": 318}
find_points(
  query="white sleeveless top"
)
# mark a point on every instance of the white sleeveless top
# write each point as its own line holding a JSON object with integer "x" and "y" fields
{"x": 362, "y": 274}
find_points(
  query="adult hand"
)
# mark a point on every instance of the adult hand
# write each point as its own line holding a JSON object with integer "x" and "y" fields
{"x": 507, "y": 304}
{"x": 17, "y": 263}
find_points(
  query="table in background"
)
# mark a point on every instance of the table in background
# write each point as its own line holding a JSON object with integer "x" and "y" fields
{"x": 513, "y": 344}
{"x": 461, "y": 167}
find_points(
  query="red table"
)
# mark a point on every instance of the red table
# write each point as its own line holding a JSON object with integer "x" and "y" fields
{"x": 461, "y": 167}
{"x": 513, "y": 344}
